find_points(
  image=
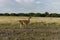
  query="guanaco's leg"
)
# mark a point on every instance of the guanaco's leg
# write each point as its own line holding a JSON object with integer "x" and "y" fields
{"x": 21, "y": 24}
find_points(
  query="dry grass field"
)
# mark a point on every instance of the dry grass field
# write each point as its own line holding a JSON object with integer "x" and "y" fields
{"x": 40, "y": 28}
{"x": 14, "y": 19}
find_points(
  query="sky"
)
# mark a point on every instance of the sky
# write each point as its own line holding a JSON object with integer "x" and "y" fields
{"x": 26, "y": 6}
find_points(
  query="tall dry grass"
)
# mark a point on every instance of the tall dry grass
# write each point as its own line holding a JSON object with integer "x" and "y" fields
{"x": 14, "y": 19}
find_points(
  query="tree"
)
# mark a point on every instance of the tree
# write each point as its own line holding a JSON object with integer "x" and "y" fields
{"x": 53, "y": 15}
{"x": 6, "y": 14}
{"x": 38, "y": 14}
{"x": 31, "y": 14}
{"x": 46, "y": 14}
{"x": 13, "y": 14}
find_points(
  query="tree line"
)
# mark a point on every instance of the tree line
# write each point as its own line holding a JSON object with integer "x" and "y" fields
{"x": 46, "y": 14}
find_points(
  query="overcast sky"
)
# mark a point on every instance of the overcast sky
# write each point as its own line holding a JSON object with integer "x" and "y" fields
{"x": 30, "y": 6}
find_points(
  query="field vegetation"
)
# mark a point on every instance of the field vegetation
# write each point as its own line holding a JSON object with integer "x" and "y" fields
{"x": 40, "y": 28}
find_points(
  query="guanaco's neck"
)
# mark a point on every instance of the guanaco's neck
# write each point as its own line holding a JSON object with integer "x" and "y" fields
{"x": 29, "y": 19}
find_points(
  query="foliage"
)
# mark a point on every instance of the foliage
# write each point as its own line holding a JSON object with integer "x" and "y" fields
{"x": 46, "y": 14}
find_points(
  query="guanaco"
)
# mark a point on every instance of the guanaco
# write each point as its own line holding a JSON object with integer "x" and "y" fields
{"x": 24, "y": 22}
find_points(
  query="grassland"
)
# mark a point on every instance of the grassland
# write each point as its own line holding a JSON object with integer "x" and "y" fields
{"x": 14, "y": 19}
{"x": 40, "y": 28}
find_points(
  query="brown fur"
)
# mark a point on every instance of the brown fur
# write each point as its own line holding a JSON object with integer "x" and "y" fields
{"x": 24, "y": 22}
